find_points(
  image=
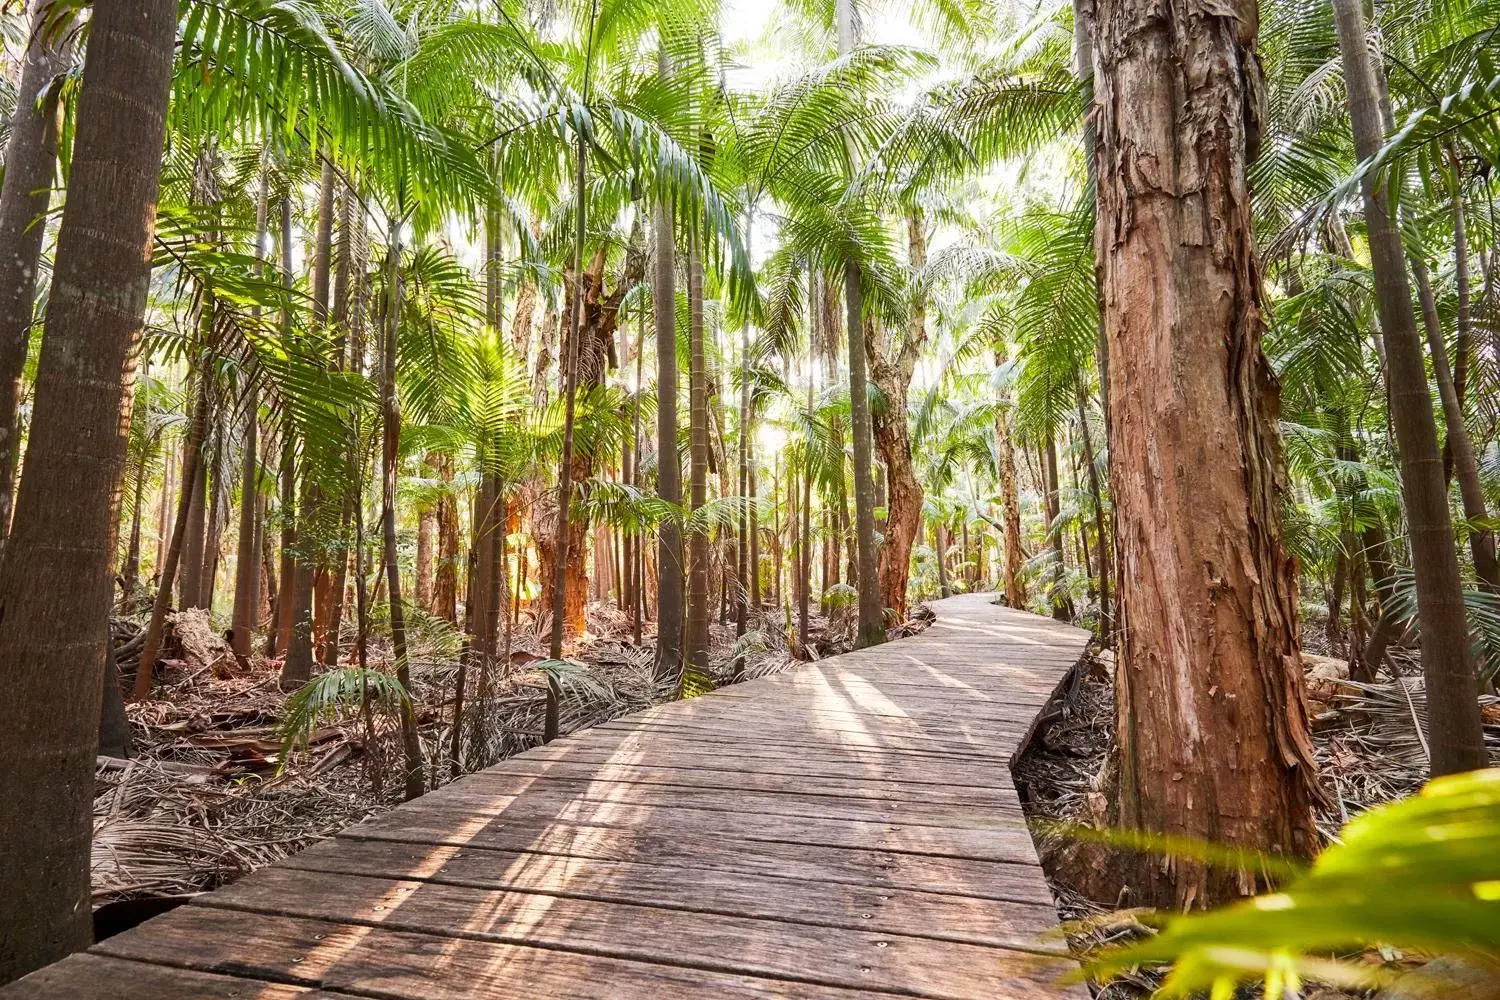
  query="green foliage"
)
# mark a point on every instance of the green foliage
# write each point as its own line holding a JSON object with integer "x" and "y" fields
{"x": 1422, "y": 874}
{"x": 330, "y": 696}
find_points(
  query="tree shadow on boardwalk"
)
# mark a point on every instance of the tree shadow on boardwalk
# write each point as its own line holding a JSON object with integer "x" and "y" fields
{"x": 846, "y": 829}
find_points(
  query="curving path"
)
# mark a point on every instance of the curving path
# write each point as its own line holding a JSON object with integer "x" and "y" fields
{"x": 847, "y": 829}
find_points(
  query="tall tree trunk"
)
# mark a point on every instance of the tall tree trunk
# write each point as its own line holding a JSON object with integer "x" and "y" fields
{"x": 804, "y": 541}
{"x": 426, "y": 556}
{"x": 311, "y": 554}
{"x": 280, "y": 635}
{"x": 30, "y": 164}
{"x": 218, "y": 511}
{"x": 1010, "y": 500}
{"x": 114, "y": 724}
{"x": 445, "y": 579}
{"x": 1210, "y": 720}
{"x": 266, "y": 604}
{"x": 390, "y": 457}
{"x": 776, "y": 554}
{"x": 1062, "y": 604}
{"x": 1458, "y": 444}
{"x": 1096, "y": 492}
{"x": 1454, "y": 732}
{"x": 194, "y": 504}
{"x": 871, "y": 628}
{"x": 247, "y": 559}
{"x": 940, "y": 552}
{"x": 669, "y": 564}
{"x": 893, "y": 377}
{"x": 132, "y": 575}
{"x": 349, "y": 311}
{"x": 57, "y": 575}
{"x": 696, "y": 646}
{"x": 1388, "y": 626}
{"x": 742, "y": 549}
{"x": 192, "y": 461}
{"x": 164, "y": 507}
{"x": 565, "y": 467}
{"x": 637, "y": 558}
{"x": 968, "y": 558}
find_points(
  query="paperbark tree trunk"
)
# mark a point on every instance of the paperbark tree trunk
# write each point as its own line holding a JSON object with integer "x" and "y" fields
{"x": 1210, "y": 719}
{"x": 871, "y": 627}
{"x": 892, "y": 434}
{"x": 1455, "y": 734}
{"x": 57, "y": 575}
{"x": 1010, "y": 500}
{"x": 30, "y": 164}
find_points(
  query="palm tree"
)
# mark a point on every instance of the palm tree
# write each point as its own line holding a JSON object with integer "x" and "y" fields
{"x": 57, "y": 569}
{"x": 670, "y": 606}
{"x": 390, "y": 418}
{"x": 695, "y": 645}
{"x": 30, "y": 163}
{"x": 1456, "y": 736}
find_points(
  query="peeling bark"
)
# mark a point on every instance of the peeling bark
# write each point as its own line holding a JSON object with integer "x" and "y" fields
{"x": 1211, "y": 725}
{"x": 892, "y": 376}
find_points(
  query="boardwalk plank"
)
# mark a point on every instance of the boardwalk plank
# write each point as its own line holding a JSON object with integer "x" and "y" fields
{"x": 960, "y": 876}
{"x": 471, "y": 815}
{"x": 793, "y": 800}
{"x": 1029, "y": 914}
{"x": 400, "y": 965}
{"x": 662, "y": 752}
{"x": 734, "y": 777}
{"x": 93, "y": 976}
{"x": 831, "y": 956}
{"x": 846, "y": 829}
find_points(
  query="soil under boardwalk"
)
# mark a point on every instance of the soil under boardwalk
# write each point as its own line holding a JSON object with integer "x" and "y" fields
{"x": 847, "y": 829}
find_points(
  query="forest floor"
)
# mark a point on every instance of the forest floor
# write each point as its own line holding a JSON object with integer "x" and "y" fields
{"x": 207, "y": 797}
{"x": 1369, "y": 749}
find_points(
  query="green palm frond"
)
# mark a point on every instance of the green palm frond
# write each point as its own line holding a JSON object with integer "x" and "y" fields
{"x": 1420, "y": 874}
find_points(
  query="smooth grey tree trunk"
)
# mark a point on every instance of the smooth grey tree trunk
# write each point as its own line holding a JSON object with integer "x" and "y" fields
{"x": 30, "y": 165}
{"x": 57, "y": 574}
{"x": 1455, "y": 734}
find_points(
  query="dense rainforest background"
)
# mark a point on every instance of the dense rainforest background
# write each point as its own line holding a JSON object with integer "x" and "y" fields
{"x": 387, "y": 386}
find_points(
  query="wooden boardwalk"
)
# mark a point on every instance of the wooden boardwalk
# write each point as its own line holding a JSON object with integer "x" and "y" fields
{"x": 848, "y": 829}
